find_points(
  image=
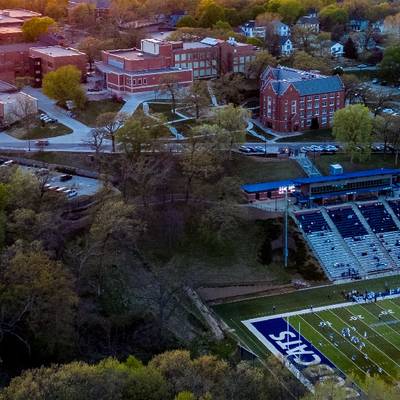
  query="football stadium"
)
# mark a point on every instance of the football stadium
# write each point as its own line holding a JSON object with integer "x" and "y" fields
{"x": 351, "y": 328}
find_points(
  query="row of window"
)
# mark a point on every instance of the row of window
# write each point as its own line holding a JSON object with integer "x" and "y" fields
{"x": 194, "y": 56}
{"x": 197, "y": 64}
{"x": 135, "y": 82}
{"x": 204, "y": 72}
{"x": 243, "y": 59}
{"x": 350, "y": 186}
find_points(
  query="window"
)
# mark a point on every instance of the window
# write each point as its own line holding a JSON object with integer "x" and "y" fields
{"x": 144, "y": 81}
{"x": 183, "y": 57}
{"x": 177, "y": 57}
{"x": 139, "y": 82}
{"x": 294, "y": 106}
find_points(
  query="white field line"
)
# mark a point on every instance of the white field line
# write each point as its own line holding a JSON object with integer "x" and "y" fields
{"x": 318, "y": 309}
{"x": 373, "y": 361}
{"x": 369, "y": 312}
{"x": 331, "y": 345}
{"x": 379, "y": 334}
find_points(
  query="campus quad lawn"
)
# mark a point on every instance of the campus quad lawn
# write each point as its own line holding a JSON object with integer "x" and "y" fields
{"x": 375, "y": 161}
{"x": 94, "y": 108}
{"x": 320, "y": 135}
{"x": 39, "y": 131}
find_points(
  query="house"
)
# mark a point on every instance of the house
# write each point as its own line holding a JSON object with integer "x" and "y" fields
{"x": 358, "y": 25}
{"x": 49, "y": 58}
{"x": 14, "y": 104}
{"x": 250, "y": 29}
{"x": 336, "y": 49}
{"x": 309, "y": 23}
{"x": 285, "y": 46}
{"x": 378, "y": 26}
{"x": 291, "y": 99}
{"x": 102, "y": 7}
{"x": 280, "y": 29}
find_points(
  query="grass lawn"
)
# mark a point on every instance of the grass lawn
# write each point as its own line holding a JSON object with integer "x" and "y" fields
{"x": 39, "y": 131}
{"x": 94, "y": 108}
{"x": 376, "y": 161}
{"x": 258, "y": 169}
{"x": 320, "y": 135}
{"x": 164, "y": 109}
{"x": 261, "y": 132}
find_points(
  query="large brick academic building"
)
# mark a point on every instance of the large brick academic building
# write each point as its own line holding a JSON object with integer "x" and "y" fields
{"x": 144, "y": 69}
{"x": 291, "y": 99}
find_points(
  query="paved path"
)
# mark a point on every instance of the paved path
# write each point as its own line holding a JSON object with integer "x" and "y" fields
{"x": 76, "y": 140}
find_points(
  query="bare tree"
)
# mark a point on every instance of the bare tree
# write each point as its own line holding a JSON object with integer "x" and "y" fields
{"x": 111, "y": 122}
{"x": 170, "y": 85}
{"x": 96, "y": 139}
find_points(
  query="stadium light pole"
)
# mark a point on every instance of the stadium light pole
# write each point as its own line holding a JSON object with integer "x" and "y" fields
{"x": 285, "y": 256}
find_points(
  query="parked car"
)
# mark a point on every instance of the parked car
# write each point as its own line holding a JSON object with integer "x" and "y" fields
{"x": 65, "y": 177}
{"x": 244, "y": 149}
{"x": 42, "y": 142}
{"x": 71, "y": 193}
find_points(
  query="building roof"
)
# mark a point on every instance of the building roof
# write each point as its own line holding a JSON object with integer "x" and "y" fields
{"x": 278, "y": 24}
{"x": 19, "y": 13}
{"x": 18, "y": 47}
{"x": 102, "y": 67}
{"x": 6, "y": 87}
{"x": 4, "y": 30}
{"x": 131, "y": 54}
{"x": 5, "y": 20}
{"x": 265, "y": 186}
{"x": 306, "y": 83}
{"x": 58, "y": 51}
{"x": 308, "y": 20}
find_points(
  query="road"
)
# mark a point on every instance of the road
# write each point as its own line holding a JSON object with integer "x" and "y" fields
{"x": 75, "y": 141}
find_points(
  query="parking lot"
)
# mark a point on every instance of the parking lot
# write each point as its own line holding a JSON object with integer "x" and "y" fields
{"x": 71, "y": 186}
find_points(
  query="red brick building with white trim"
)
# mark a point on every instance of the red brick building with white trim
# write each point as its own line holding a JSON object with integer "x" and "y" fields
{"x": 291, "y": 99}
{"x": 135, "y": 70}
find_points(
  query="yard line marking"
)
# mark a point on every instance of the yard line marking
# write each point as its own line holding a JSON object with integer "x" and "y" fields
{"x": 331, "y": 345}
{"x": 385, "y": 356}
{"x": 352, "y": 344}
{"x": 379, "y": 334}
{"x": 395, "y": 305}
{"x": 369, "y": 312}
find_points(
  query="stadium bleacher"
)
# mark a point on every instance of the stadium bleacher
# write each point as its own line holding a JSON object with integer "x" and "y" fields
{"x": 347, "y": 222}
{"x": 378, "y": 217}
{"x": 335, "y": 259}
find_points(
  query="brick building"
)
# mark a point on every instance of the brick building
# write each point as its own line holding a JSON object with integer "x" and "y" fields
{"x": 49, "y": 58}
{"x": 11, "y": 34}
{"x": 11, "y": 22}
{"x": 134, "y": 70}
{"x": 211, "y": 57}
{"x": 292, "y": 100}
{"x": 14, "y": 61}
{"x": 207, "y": 58}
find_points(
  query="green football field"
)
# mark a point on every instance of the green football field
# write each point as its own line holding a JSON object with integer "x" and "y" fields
{"x": 382, "y": 345}
{"x": 372, "y": 344}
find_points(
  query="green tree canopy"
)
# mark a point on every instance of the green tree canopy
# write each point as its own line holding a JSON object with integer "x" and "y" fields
{"x": 35, "y": 27}
{"x": 333, "y": 15}
{"x": 352, "y": 126}
{"x": 390, "y": 65}
{"x": 64, "y": 84}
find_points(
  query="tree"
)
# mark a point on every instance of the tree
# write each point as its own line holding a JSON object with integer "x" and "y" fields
{"x": 389, "y": 68}
{"x": 232, "y": 123}
{"x": 262, "y": 61}
{"x": 185, "y": 396}
{"x": 304, "y": 38}
{"x": 350, "y": 49}
{"x": 37, "y": 299}
{"x": 328, "y": 390}
{"x": 305, "y": 61}
{"x": 35, "y": 27}
{"x": 230, "y": 88}
{"x": 83, "y": 15}
{"x": 111, "y": 122}
{"x": 56, "y": 9}
{"x": 170, "y": 84}
{"x": 63, "y": 84}
{"x": 187, "y": 21}
{"x": 290, "y": 10}
{"x": 352, "y": 126}
{"x": 392, "y": 25}
{"x": 210, "y": 13}
{"x": 109, "y": 379}
{"x": 198, "y": 96}
{"x": 383, "y": 127}
{"x": 91, "y": 47}
{"x": 332, "y": 15}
